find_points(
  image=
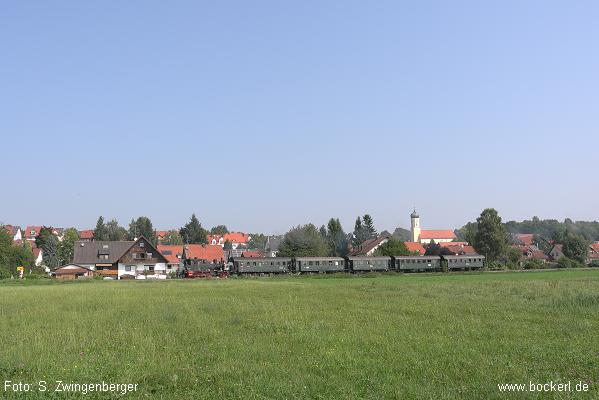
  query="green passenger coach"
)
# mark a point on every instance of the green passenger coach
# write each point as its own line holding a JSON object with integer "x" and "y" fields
{"x": 319, "y": 264}
{"x": 417, "y": 263}
{"x": 261, "y": 265}
{"x": 365, "y": 264}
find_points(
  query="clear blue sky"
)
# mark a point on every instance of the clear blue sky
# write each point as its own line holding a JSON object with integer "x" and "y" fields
{"x": 266, "y": 114}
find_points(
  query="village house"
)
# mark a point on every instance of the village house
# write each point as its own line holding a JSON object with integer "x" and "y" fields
{"x": 252, "y": 254}
{"x": 556, "y": 252}
{"x": 31, "y": 232}
{"x": 235, "y": 238}
{"x": 593, "y": 256}
{"x": 368, "y": 247}
{"x": 173, "y": 255}
{"x": 14, "y": 231}
{"x": 38, "y": 256}
{"x": 137, "y": 259}
{"x": 415, "y": 247}
{"x": 203, "y": 253}
{"x": 71, "y": 272}
{"x": 427, "y": 236}
{"x": 458, "y": 248}
{"x": 86, "y": 235}
{"x": 271, "y": 247}
{"x": 161, "y": 235}
{"x": 525, "y": 239}
{"x": 530, "y": 252}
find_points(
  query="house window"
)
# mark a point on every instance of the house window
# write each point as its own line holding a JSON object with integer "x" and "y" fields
{"x": 141, "y": 244}
{"x": 149, "y": 255}
{"x": 169, "y": 266}
{"x": 128, "y": 268}
{"x": 151, "y": 268}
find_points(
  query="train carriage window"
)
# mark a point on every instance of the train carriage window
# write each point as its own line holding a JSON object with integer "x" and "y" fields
{"x": 310, "y": 262}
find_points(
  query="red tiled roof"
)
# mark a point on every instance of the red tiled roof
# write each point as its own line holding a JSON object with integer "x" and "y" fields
{"x": 437, "y": 234}
{"x": 170, "y": 252}
{"x": 369, "y": 245}
{"x": 469, "y": 250}
{"x": 161, "y": 234}
{"x": 86, "y": 234}
{"x": 525, "y": 238}
{"x": 236, "y": 237}
{"x": 538, "y": 255}
{"x": 446, "y": 244}
{"x": 595, "y": 246}
{"x": 29, "y": 229}
{"x": 71, "y": 269}
{"x": 415, "y": 247}
{"x": 204, "y": 252}
{"x": 36, "y": 252}
{"x": 233, "y": 237}
{"x": 252, "y": 254}
{"x": 11, "y": 229}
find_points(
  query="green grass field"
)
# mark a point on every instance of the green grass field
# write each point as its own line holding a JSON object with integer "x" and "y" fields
{"x": 382, "y": 336}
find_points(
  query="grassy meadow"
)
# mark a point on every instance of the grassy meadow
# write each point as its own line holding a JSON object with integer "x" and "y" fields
{"x": 431, "y": 336}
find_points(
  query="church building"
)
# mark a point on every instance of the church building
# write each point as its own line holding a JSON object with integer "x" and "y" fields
{"x": 427, "y": 236}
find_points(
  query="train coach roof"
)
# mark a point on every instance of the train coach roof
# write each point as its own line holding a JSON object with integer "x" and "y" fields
{"x": 417, "y": 257}
{"x": 369, "y": 258}
{"x": 319, "y": 258}
{"x": 465, "y": 256}
{"x": 262, "y": 258}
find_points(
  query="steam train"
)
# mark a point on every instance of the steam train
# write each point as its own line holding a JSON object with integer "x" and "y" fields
{"x": 322, "y": 265}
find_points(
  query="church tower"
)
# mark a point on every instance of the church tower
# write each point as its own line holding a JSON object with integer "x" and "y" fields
{"x": 415, "y": 226}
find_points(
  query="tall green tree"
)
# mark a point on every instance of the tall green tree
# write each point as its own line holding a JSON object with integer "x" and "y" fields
{"x": 336, "y": 238}
{"x": 142, "y": 226}
{"x": 467, "y": 233}
{"x": 370, "y": 230}
{"x": 100, "y": 233}
{"x": 491, "y": 238}
{"x": 115, "y": 232}
{"x": 303, "y": 241}
{"x": 323, "y": 231}
{"x": 12, "y": 256}
{"x": 49, "y": 245}
{"x": 257, "y": 241}
{"x": 363, "y": 230}
{"x": 173, "y": 237}
{"x": 67, "y": 246}
{"x": 193, "y": 232}
{"x": 576, "y": 248}
{"x": 393, "y": 247}
{"x": 219, "y": 230}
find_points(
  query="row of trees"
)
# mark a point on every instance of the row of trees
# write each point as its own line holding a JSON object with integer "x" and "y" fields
{"x": 490, "y": 237}
{"x": 12, "y": 256}
{"x": 54, "y": 252}
{"x": 331, "y": 240}
{"x": 191, "y": 232}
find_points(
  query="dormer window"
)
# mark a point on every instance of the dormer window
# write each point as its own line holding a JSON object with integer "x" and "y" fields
{"x": 105, "y": 246}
